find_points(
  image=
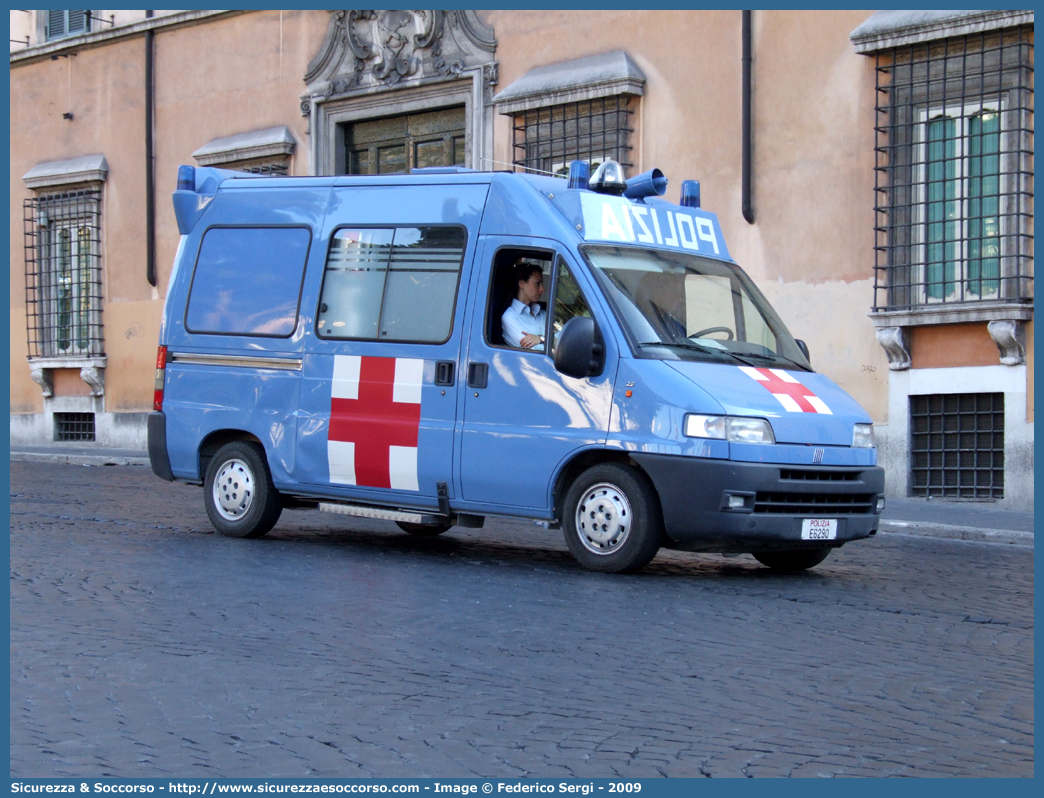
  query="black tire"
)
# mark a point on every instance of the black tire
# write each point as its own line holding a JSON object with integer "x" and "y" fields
{"x": 792, "y": 561}
{"x": 423, "y": 530}
{"x": 238, "y": 493}
{"x": 612, "y": 520}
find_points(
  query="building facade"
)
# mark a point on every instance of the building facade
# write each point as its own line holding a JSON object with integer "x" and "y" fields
{"x": 873, "y": 172}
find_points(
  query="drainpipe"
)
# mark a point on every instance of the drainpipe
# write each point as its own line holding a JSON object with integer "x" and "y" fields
{"x": 150, "y": 189}
{"x": 748, "y": 205}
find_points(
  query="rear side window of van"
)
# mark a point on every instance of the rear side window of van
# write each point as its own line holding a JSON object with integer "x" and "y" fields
{"x": 391, "y": 283}
{"x": 248, "y": 281}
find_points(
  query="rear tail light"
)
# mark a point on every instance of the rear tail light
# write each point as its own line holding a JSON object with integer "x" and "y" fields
{"x": 161, "y": 371}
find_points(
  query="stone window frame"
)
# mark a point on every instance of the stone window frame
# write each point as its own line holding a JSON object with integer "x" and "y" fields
{"x": 89, "y": 172}
{"x": 1005, "y": 319}
{"x": 330, "y": 118}
{"x": 571, "y": 89}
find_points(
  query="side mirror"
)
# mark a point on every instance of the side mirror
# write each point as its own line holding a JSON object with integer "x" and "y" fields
{"x": 804, "y": 349}
{"x": 580, "y": 352}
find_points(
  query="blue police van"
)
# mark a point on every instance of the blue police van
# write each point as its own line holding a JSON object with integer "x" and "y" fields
{"x": 339, "y": 343}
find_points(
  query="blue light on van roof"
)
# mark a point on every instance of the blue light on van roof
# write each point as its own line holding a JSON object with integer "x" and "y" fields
{"x": 690, "y": 193}
{"x": 186, "y": 178}
{"x": 579, "y": 174}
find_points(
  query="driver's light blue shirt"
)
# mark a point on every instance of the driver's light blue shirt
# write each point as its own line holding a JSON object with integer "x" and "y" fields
{"x": 520, "y": 319}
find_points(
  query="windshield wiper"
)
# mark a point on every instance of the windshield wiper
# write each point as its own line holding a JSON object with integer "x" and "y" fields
{"x": 686, "y": 345}
{"x": 741, "y": 357}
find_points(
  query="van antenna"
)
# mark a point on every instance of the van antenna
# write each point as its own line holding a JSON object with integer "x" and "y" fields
{"x": 517, "y": 166}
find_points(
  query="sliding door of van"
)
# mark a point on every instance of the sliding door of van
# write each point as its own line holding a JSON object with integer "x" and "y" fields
{"x": 522, "y": 418}
{"x": 380, "y": 381}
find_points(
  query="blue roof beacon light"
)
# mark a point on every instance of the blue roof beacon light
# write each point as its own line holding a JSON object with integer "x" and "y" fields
{"x": 186, "y": 178}
{"x": 579, "y": 174}
{"x": 609, "y": 179}
{"x": 647, "y": 184}
{"x": 690, "y": 194}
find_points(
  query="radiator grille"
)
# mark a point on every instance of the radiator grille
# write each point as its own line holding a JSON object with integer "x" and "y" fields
{"x": 818, "y": 476}
{"x": 785, "y": 503}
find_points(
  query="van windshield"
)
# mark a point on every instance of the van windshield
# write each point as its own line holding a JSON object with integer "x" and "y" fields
{"x": 676, "y": 306}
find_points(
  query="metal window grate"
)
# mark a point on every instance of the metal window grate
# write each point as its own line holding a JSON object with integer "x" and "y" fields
{"x": 74, "y": 426}
{"x": 275, "y": 169}
{"x": 63, "y": 290}
{"x": 954, "y": 171}
{"x": 957, "y": 445}
{"x": 547, "y": 139}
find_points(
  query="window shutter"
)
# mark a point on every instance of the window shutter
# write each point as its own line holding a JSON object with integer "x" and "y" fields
{"x": 55, "y": 24}
{"x": 78, "y": 22}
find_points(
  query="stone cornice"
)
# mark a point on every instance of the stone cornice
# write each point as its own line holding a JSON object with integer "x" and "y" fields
{"x": 887, "y": 29}
{"x": 40, "y": 52}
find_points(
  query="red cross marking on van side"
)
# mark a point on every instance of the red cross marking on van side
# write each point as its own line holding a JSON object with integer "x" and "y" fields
{"x": 790, "y": 393}
{"x": 374, "y": 421}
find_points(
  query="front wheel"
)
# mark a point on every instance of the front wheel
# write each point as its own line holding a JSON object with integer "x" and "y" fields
{"x": 612, "y": 520}
{"x": 238, "y": 493}
{"x": 792, "y": 561}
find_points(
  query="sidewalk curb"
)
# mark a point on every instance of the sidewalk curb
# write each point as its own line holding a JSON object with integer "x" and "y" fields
{"x": 978, "y": 534}
{"x": 78, "y": 459}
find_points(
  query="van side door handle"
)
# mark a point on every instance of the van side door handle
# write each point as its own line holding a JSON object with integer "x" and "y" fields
{"x": 478, "y": 374}
{"x": 444, "y": 373}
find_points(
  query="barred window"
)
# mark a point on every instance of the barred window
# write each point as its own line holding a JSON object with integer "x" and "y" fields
{"x": 954, "y": 144}
{"x": 279, "y": 168}
{"x": 63, "y": 274}
{"x": 547, "y": 139}
{"x": 957, "y": 445}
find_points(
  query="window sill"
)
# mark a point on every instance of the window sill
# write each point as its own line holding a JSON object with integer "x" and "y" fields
{"x": 68, "y": 362}
{"x": 963, "y": 313}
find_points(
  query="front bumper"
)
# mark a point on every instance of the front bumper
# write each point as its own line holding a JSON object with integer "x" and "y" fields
{"x": 694, "y": 495}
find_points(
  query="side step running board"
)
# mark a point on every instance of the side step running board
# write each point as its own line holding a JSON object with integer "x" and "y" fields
{"x": 379, "y": 512}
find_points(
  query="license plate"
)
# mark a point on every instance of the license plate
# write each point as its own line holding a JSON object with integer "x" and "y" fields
{"x": 819, "y": 529}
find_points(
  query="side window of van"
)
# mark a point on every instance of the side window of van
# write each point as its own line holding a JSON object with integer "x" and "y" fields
{"x": 508, "y": 265}
{"x": 391, "y": 283}
{"x": 247, "y": 281}
{"x": 569, "y": 301}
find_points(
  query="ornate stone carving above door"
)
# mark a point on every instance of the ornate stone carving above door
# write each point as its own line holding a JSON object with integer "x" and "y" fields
{"x": 366, "y": 49}
{"x": 381, "y": 63}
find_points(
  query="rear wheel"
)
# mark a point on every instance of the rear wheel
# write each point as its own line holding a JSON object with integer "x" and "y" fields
{"x": 611, "y": 519}
{"x": 792, "y": 561}
{"x": 423, "y": 530}
{"x": 238, "y": 493}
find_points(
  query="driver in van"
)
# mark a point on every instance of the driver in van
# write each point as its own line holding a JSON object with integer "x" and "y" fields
{"x": 524, "y": 322}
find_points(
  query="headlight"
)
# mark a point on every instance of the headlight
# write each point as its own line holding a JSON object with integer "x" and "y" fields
{"x": 729, "y": 428}
{"x": 863, "y": 437}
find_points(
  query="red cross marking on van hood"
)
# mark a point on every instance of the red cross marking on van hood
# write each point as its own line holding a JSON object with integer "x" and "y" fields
{"x": 375, "y": 410}
{"x": 790, "y": 393}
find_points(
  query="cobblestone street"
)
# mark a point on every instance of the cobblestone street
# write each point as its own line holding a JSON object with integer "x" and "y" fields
{"x": 143, "y": 644}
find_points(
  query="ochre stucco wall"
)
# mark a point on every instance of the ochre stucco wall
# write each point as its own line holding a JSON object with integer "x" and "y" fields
{"x": 951, "y": 345}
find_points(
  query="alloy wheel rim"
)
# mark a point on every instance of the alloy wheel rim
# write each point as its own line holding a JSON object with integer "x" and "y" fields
{"x": 603, "y": 518}
{"x": 234, "y": 490}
